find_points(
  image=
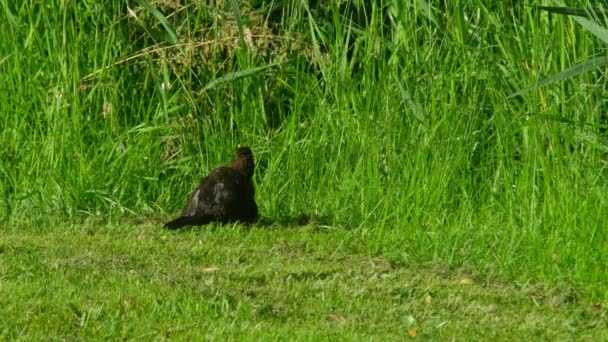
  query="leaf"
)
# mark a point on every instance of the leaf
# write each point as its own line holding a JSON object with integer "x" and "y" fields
{"x": 578, "y": 69}
{"x": 566, "y": 120}
{"x": 239, "y": 21}
{"x": 428, "y": 298}
{"x": 595, "y": 29}
{"x": 12, "y": 19}
{"x": 427, "y": 9}
{"x": 573, "y": 11}
{"x": 171, "y": 36}
{"x": 418, "y": 114}
{"x": 579, "y": 15}
{"x": 5, "y": 58}
{"x": 236, "y": 75}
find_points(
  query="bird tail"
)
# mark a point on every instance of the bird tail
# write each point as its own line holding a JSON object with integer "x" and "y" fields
{"x": 187, "y": 221}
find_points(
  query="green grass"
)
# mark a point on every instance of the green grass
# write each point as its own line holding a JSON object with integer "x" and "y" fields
{"x": 391, "y": 121}
{"x": 108, "y": 281}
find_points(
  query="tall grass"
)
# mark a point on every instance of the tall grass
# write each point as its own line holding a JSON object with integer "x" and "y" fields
{"x": 391, "y": 117}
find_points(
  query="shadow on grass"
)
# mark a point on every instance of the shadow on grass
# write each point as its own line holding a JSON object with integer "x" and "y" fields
{"x": 302, "y": 220}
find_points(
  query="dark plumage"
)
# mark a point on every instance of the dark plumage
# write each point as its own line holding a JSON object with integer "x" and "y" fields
{"x": 225, "y": 195}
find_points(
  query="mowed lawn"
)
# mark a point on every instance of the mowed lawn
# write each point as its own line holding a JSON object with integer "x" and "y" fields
{"x": 136, "y": 281}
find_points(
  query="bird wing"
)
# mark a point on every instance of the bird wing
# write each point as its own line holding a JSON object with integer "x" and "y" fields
{"x": 192, "y": 205}
{"x": 213, "y": 194}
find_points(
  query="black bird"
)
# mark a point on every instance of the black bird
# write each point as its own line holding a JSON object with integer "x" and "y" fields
{"x": 225, "y": 195}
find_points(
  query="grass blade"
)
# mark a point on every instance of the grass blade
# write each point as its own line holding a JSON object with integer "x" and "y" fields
{"x": 418, "y": 114}
{"x": 580, "y": 15}
{"x": 564, "y": 75}
{"x": 239, "y": 21}
{"x": 595, "y": 29}
{"x": 428, "y": 11}
{"x": 573, "y": 11}
{"x": 236, "y": 75}
{"x": 171, "y": 36}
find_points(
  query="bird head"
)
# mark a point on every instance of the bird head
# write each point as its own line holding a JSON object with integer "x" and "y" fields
{"x": 244, "y": 160}
{"x": 243, "y": 152}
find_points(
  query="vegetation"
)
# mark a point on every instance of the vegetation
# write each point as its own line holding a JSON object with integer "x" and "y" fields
{"x": 94, "y": 281}
{"x": 400, "y": 123}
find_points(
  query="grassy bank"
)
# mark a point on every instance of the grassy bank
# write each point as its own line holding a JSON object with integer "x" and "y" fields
{"x": 391, "y": 119}
{"x": 104, "y": 281}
